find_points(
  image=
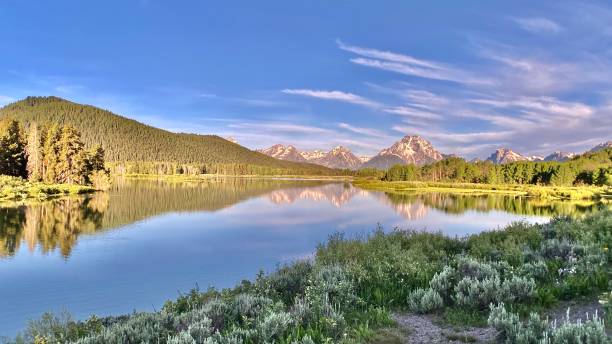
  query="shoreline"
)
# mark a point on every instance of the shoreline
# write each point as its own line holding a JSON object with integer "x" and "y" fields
{"x": 198, "y": 177}
{"x": 532, "y": 191}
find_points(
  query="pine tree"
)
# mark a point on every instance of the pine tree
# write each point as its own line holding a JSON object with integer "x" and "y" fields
{"x": 34, "y": 153}
{"x": 12, "y": 149}
{"x": 50, "y": 153}
{"x": 72, "y": 159}
{"x": 96, "y": 158}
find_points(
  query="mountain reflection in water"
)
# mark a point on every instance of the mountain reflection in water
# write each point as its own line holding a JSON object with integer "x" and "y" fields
{"x": 56, "y": 225}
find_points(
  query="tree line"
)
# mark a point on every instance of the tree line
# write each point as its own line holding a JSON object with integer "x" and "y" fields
{"x": 50, "y": 153}
{"x": 233, "y": 169}
{"x": 588, "y": 169}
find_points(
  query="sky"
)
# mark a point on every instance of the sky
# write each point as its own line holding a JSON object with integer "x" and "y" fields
{"x": 469, "y": 76}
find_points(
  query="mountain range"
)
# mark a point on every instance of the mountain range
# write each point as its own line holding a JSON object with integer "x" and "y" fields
{"x": 411, "y": 149}
{"x": 338, "y": 157}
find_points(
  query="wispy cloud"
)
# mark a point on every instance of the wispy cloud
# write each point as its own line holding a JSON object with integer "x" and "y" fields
{"x": 538, "y": 25}
{"x": 409, "y": 65}
{"x": 362, "y": 131}
{"x": 281, "y": 127}
{"x": 547, "y": 105}
{"x": 258, "y": 102}
{"x": 412, "y": 112}
{"x": 454, "y": 136}
{"x": 425, "y": 99}
{"x": 389, "y": 56}
{"x": 333, "y": 95}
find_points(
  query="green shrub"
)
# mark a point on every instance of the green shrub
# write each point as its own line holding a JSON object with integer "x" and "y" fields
{"x": 479, "y": 294}
{"x": 512, "y": 330}
{"x": 245, "y": 306}
{"x": 287, "y": 283}
{"x": 517, "y": 289}
{"x": 139, "y": 328}
{"x": 537, "y": 270}
{"x": 424, "y": 301}
{"x": 273, "y": 326}
{"x": 305, "y": 340}
{"x": 443, "y": 282}
{"x": 182, "y": 338}
{"x": 472, "y": 268}
{"x": 331, "y": 286}
{"x": 219, "y": 312}
{"x": 536, "y": 330}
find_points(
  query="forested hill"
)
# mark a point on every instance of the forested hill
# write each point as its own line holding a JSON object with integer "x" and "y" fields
{"x": 126, "y": 140}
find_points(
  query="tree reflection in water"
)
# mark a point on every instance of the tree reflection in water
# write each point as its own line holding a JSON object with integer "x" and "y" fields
{"x": 55, "y": 225}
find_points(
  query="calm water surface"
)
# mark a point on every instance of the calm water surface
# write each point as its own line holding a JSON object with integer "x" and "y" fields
{"x": 146, "y": 240}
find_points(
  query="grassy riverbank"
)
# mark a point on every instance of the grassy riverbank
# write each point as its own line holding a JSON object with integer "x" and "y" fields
{"x": 348, "y": 291}
{"x": 18, "y": 189}
{"x": 535, "y": 191}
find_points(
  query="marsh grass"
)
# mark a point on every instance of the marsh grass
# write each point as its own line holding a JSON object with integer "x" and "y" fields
{"x": 534, "y": 191}
{"x": 16, "y": 189}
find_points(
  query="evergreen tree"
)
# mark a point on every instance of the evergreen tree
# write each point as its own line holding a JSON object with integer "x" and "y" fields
{"x": 50, "y": 153}
{"x": 96, "y": 158}
{"x": 604, "y": 176}
{"x": 71, "y": 165}
{"x": 12, "y": 149}
{"x": 34, "y": 153}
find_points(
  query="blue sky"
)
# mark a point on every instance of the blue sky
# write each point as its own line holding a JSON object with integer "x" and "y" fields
{"x": 468, "y": 76}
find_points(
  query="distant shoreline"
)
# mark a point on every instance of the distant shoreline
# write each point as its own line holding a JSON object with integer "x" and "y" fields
{"x": 183, "y": 177}
{"x": 534, "y": 191}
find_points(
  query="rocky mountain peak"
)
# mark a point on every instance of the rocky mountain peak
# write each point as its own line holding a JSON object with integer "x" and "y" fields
{"x": 411, "y": 149}
{"x": 559, "y": 156}
{"x": 339, "y": 149}
{"x": 282, "y": 152}
{"x": 505, "y": 155}
{"x": 339, "y": 157}
{"x": 603, "y": 145}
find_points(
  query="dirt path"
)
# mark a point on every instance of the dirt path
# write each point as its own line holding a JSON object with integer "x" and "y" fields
{"x": 424, "y": 329}
{"x": 428, "y": 329}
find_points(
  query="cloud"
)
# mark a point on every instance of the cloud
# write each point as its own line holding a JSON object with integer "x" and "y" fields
{"x": 425, "y": 99}
{"x": 538, "y": 25}
{"x": 333, "y": 95}
{"x": 363, "y": 131}
{"x": 412, "y": 112}
{"x": 542, "y": 110}
{"x": 408, "y": 65}
{"x": 256, "y": 102}
{"x": 281, "y": 127}
{"x": 389, "y": 56}
{"x": 531, "y": 71}
{"x": 454, "y": 136}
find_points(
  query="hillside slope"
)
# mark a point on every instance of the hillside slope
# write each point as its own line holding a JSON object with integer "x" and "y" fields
{"x": 125, "y": 139}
